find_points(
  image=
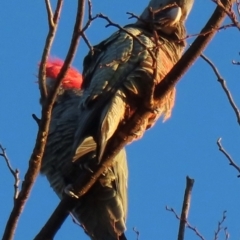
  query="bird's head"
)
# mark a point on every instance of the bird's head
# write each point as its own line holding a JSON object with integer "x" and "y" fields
{"x": 167, "y": 14}
{"x": 72, "y": 79}
{"x": 71, "y": 82}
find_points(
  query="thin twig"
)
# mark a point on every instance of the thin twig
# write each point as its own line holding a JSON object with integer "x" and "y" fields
{"x": 36, "y": 156}
{"x": 48, "y": 232}
{"x": 194, "y": 229}
{"x": 71, "y": 51}
{"x": 229, "y": 12}
{"x": 226, "y": 233}
{"x": 231, "y": 161}
{"x": 137, "y": 233}
{"x": 111, "y": 23}
{"x": 223, "y": 83}
{"x": 52, "y": 25}
{"x": 38, "y": 120}
{"x": 132, "y": 15}
{"x": 185, "y": 207}
{"x": 15, "y": 173}
{"x": 224, "y": 27}
{"x": 50, "y": 14}
{"x": 87, "y": 25}
{"x": 220, "y": 227}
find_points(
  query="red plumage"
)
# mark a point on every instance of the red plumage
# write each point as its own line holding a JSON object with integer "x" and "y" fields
{"x": 72, "y": 79}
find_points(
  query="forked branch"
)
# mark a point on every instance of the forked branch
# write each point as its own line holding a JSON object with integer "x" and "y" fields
{"x": 185, "y": 210}
{"x": 223, "y": 83}
{"x": 227, "y": 155}
{"x": 15, "y": 173}
{"x": 36, "y": 156}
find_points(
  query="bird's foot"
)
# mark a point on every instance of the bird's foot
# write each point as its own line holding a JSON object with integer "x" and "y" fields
{"x": 85, "y": 166}
{"x": 69, "y": 191}
{"x": 154, "y": 110}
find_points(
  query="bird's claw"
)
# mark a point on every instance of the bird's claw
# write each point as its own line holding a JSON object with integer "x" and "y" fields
{"x": 86, "y": 167}
{"x": 154, "y": 110}
{"x": 69, "y": 191}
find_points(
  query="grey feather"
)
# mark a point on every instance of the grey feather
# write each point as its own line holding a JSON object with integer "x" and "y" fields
{"x": 123, "y": 65}
{"x": 102, "y": 211}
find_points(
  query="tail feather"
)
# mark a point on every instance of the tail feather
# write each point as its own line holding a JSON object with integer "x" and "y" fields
{"x": 112, "y": 115}
{"x": 102, "y": 210}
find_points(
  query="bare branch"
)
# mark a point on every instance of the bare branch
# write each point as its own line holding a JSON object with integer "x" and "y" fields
{"x": 223, "y": 83}
{"x": 227, "y": 235}
{"x": 57, "y": 218}
{"x": 132, "y": 15}
{"x": 36, "y": 156}
{"x": 111, "y": 23}
{"x": 220, "y": 227}
{"x": 38, "y": 120}
{"x": 194, "y": 229}
{"x": 87, "y": 25}
{"x": 15, "y": 173}
{"x": 231, "y": 161}
{"x": 52, "y": 24}
{"x": 48, "y": 231}
{"x": 137, "y": 233}
{"x": 229, "y": 11}
{"x": 185, "y": 207}
{"x": 224, "y": 27}
{"x": 50, "y": 14}
{"x": 72, "y": 49}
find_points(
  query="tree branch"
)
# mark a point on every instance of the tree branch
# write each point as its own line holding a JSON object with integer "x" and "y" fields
{"x": 52, "y": 25}
{"x": 220, "y": 227}
{"x": 194, "y": 229}
{"x": 50, "y": 14}
{"x": 36, "y": 156}
{"x": 56, "y": 220}
{"x": 229, "y": 11}
{"x": 72, "y": 48}
{"x": 137, "y": 233}
{"x": 231, "y": 161}
{"x": 49, "y": 232}
{"x": 223, "y": 83}
{"x": 185, "y": 207}
{"x": 15, "y": 173}
{"x": 226, "y": 233}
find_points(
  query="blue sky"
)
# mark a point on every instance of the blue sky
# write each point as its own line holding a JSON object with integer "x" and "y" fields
{"x": 158, "y": 163}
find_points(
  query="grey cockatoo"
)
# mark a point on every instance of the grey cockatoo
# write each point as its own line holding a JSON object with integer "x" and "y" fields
{"x": 124, "y": 68}
{"x": 102, "y": 210}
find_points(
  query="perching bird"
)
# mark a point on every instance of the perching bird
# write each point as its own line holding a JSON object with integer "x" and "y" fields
{"x": 102, "y": 210}
{"x": 124, "y": 68}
